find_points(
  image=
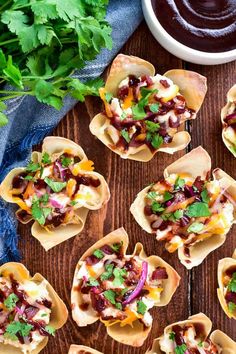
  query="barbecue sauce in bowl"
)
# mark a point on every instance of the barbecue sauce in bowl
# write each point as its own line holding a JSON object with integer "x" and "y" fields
{"x": 205, "y": 25}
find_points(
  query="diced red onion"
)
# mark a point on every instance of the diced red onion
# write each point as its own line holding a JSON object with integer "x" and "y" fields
{"x": 140, "y": 284}
{"x": 157, "y": 223}
{"x": 174, "y": 122}
{"x": 55, "y": 203}
{"x": 61, "y": 169}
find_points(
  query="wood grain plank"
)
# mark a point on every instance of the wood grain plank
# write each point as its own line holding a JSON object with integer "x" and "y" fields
{"x": 207, "y": 132}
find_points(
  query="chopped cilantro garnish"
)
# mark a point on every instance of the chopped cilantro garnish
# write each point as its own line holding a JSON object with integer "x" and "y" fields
{"x": 138, "y": 109}
{"x": 167, "y": 196}
{"x": 154, "y": 107}
{"x": 172, "y": 335}
{"x": 232, "y": 284}
{"x": 181, "y": 349}
{"x": 51, "y": 330}
{"x": 196, "y": 227}
{"x": 123, "y": 116}
{"x": 118, "y": 306}
{"x": 155, "y": 139}
{"x": 152, "y": 195}
{"x": 138, "y": 112}
{"x": 124, "y": 133}
{"x": 65, "y": 161}
{"x": 179, "y": 183}
{"x": 119, "y": 274}
{"x": 16, "y": 327}
{"x": 232, "y": 307}
{"x": 11, "y": 301}
{"x": 29, "y": 178}
{"x": 198, "y": 209}
{"x": 46, "y": 158}
{"x": 141, "y": 307}
{"x": 44, "y": 315}
{"x": 117, "y": 246}
{"x": 108, "y": 273}
{"x": 73, "y": 202}
{"x": 200, "y": 344}
{"x": 178, "y": 214}
{"x": 156, "y": 207}
{"x": 92, "y": 282}
{"x": 55, "y": 186}
{"x": 151, "y": 126}
{"x": 98, "y": 253}
{"x": 39, "y": 214}
{"x": 44, "y": 199}
{"x": 124, "y": 291}
{"x": 205, "y": 196}
{"x": 110, "y": 295}
{"x": 32, "y": 167}
{"x": 108, "y": 97}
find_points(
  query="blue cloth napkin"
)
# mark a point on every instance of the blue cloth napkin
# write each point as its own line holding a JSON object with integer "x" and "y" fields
{"x": 30, "y": 121}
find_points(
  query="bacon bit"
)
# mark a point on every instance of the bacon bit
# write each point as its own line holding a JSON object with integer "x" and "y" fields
{"x": 102, "y": 93}
{"x": 165, "y": 83}
{"x": 159, "y": 273}
{"x": 129, "y": 99}
{"x": 70, "y": 187}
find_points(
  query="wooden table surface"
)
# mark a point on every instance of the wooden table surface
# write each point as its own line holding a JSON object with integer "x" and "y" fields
{"x": 197, "y": 290}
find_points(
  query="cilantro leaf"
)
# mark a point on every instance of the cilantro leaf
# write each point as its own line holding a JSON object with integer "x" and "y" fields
{"x": 10, "y": 301}
{"x": 17, "y": 327}
{"x": 167, "y": 196}
{"x": 98, "y": 254}
{"x": 181, "y": 349}
{"x": 117, "y": 246}
{"x": 51, "y": 330}
{"x": 108, "y": 273}
{"x": 198, "y": 209}
{"x": 119, "y": 274}
{"x": 55, "y": 186}
{"x": 231, "y": 307}
{"x": 118, "y": 305}
{"x": 172, "y": 335}
{"x": 156, "y": 140}
{"x": 108, "y": 97}
{"x": 65, "y": 161}
{"x": 152, "y": 195}
{"x": 124, "y": 133}
{"x": 138, "y": 109}
{"x": 205, "y": 196}
{"x": 46, "y": 158}
{"x": 179, "y": 183}
{"x": 93, "y": 282}
{"x": 39, "y": 214}
{"x": 178, "y": 214}
{"x": 141, "y": 307}
{"x": 232, "y": 283}
{"x": 151, "y": 126}
{"x": 196, "y": 227}
{"x": 154, "y": 107}
{"x": 110, "y": 295}
{"x": 156, "y": 207}
{"x": 32, "y": 167}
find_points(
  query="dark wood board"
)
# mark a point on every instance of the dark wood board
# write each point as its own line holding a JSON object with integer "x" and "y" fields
{"x": 197, "y": 290}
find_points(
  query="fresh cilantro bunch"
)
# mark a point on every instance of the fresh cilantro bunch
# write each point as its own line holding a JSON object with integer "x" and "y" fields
{"x": 42, "y": 42}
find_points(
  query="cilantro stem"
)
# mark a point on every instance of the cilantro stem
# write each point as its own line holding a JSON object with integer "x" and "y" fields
{"x": 4, "y": 5}
{"x": 9, "y": 41}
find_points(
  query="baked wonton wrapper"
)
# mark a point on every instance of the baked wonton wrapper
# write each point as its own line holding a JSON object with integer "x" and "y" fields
{"x": 223, "y": 265}
{"x": 195, "y": 163}
{"x": 191, "y": 85}
{"x": 81, "y": 349}
{"x": 135, "y": 335}
{"x": 231, "y": 98}
{"x": 56, "y": 146}
{"x": 217, "y": 337}
{"x": 59, "y": 313}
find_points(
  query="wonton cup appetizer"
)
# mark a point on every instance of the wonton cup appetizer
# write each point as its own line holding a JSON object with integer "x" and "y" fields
{"x": 31, "y": 310}
{"x": 119, "y": 289}
{"x": 187, "y": 210}
{"x": 227, "y": 285}
{"x": 228, "y": 118}
{"x": 56, "y": 189}
{"x": 143, "y": 111}
{"x": 81, "y": 349}
{"x": 192, "y": 336}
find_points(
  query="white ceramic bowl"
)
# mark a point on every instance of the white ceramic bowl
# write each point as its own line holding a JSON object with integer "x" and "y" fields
{"x": 178, "y": 49}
